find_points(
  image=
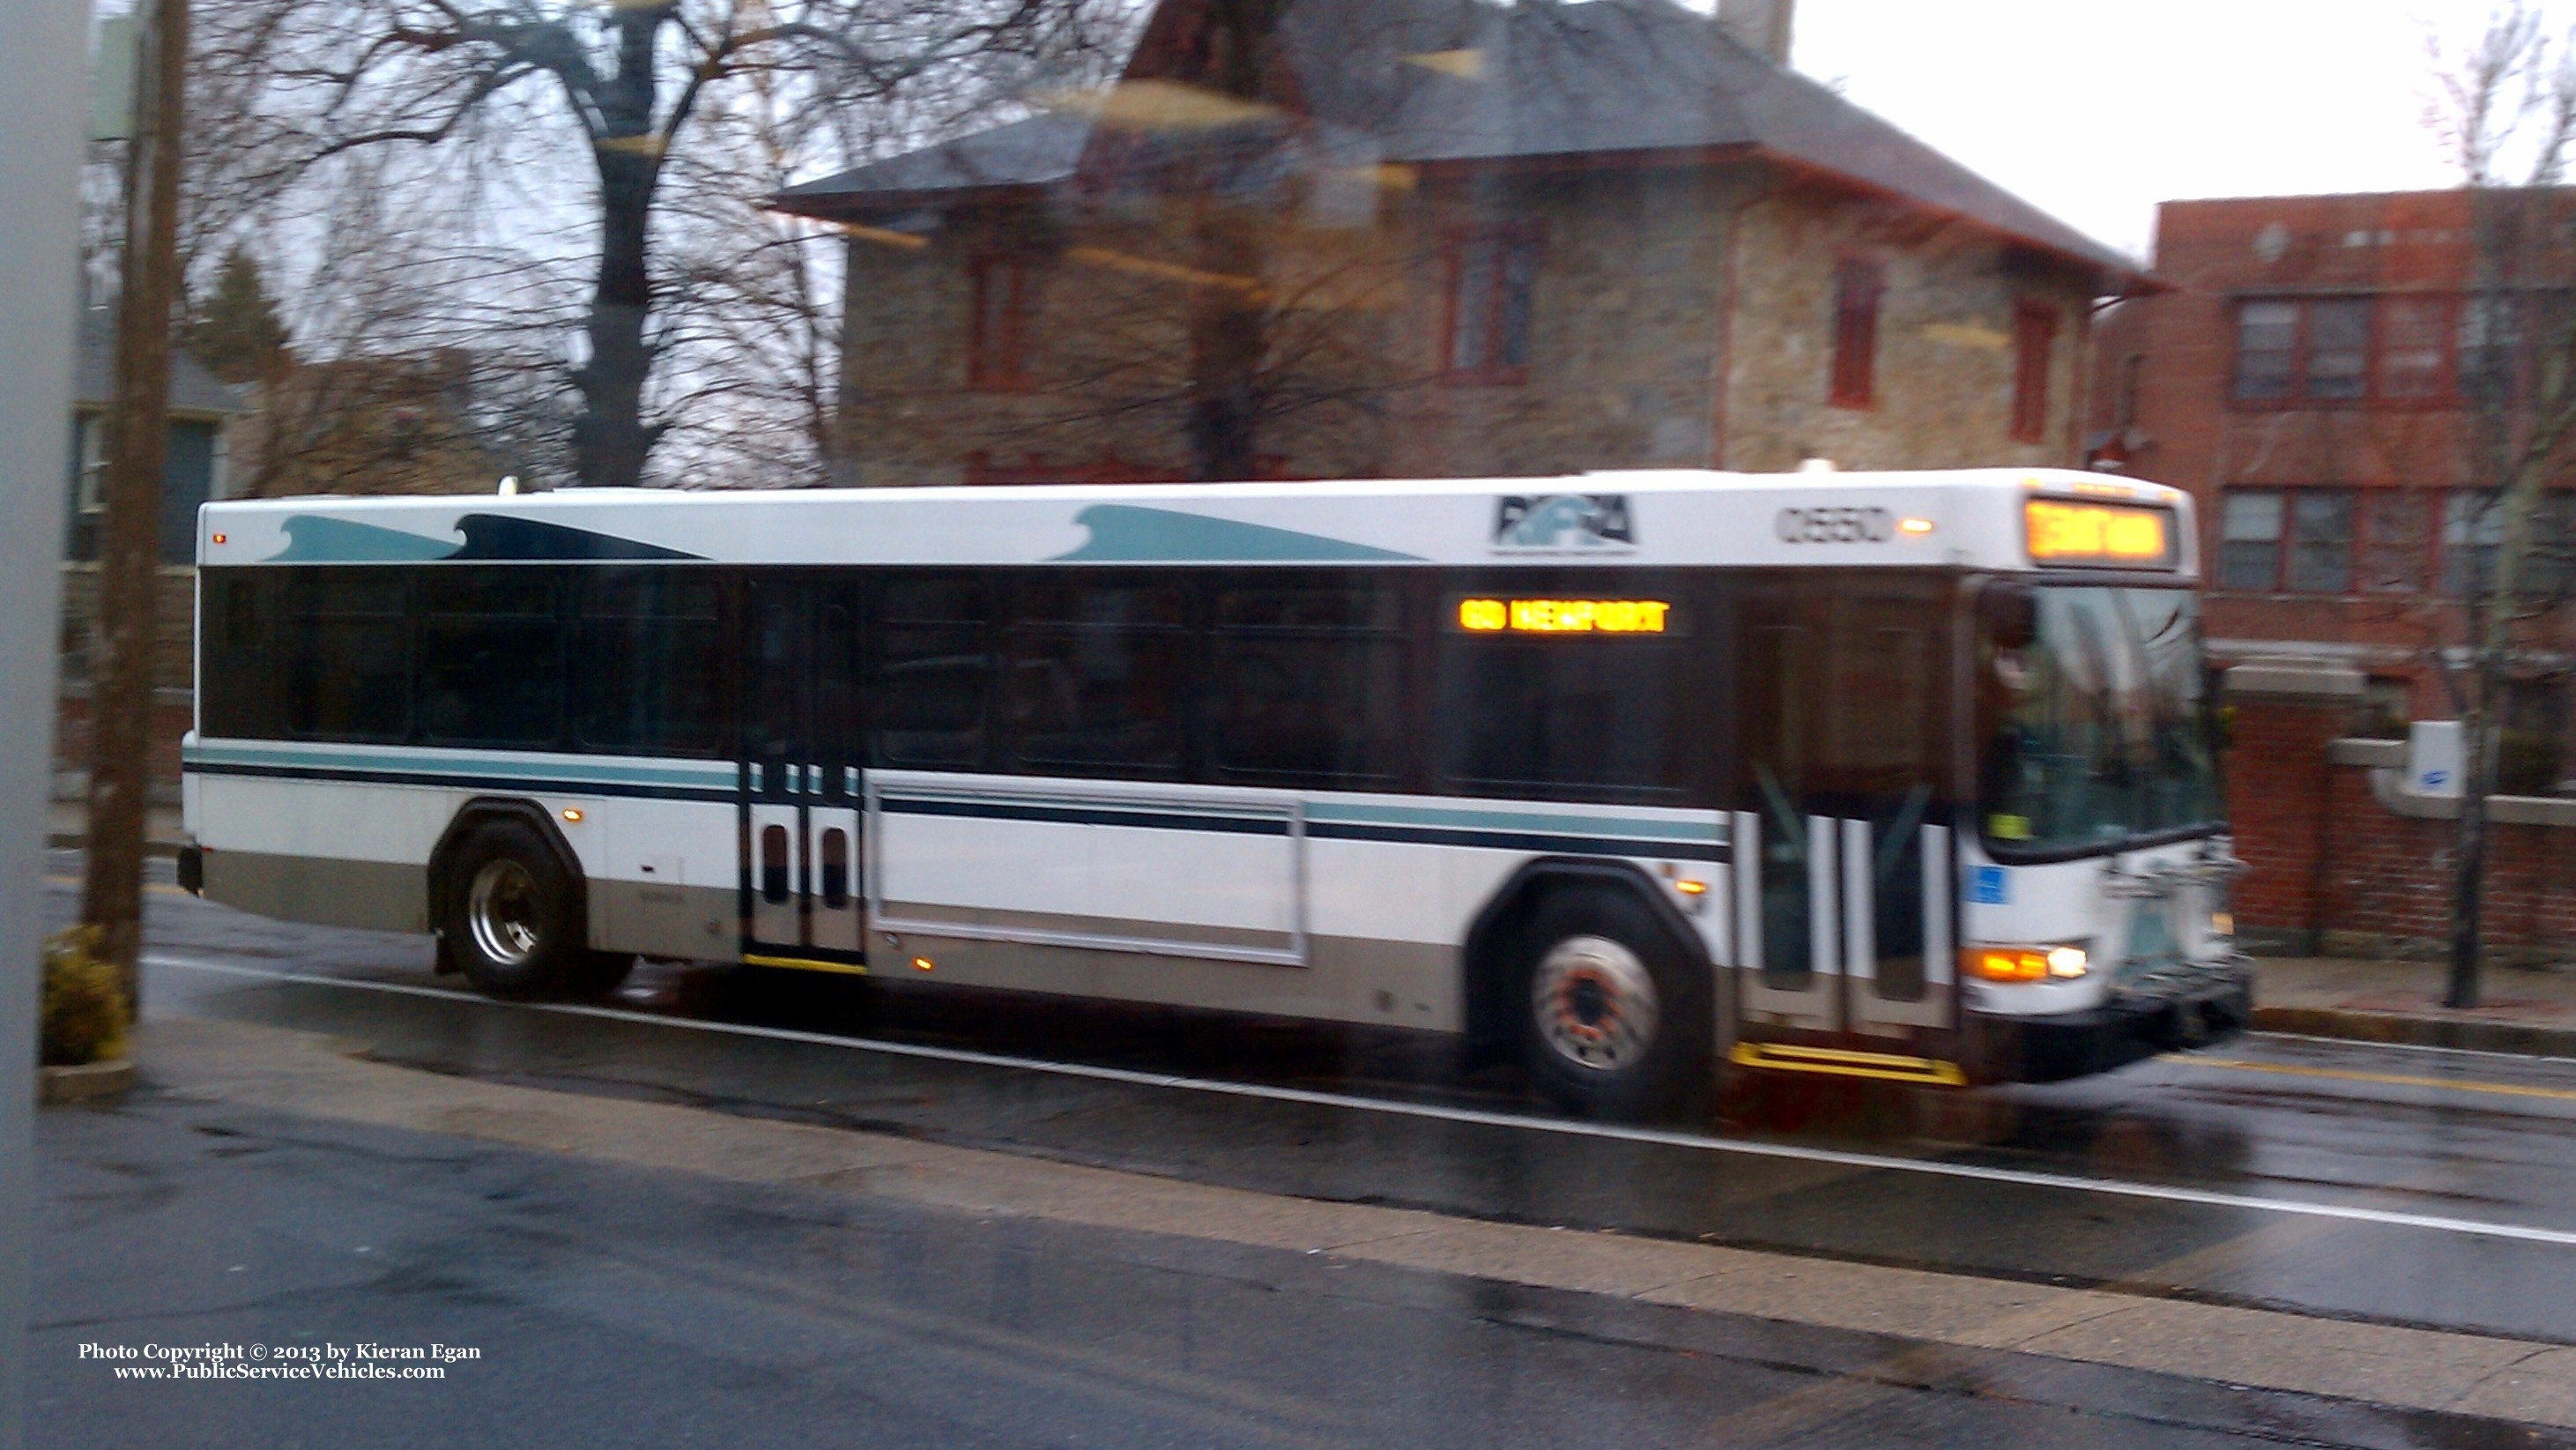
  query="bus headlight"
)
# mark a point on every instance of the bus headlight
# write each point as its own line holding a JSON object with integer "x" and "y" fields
{"x": 2024, "y": 964}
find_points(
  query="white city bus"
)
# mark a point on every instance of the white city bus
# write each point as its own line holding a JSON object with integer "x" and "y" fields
{"x": 1898, "y": 775}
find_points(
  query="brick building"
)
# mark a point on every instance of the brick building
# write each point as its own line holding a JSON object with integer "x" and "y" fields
{"x": 2314, "y": 378}
{"x": 1450, "y": 237}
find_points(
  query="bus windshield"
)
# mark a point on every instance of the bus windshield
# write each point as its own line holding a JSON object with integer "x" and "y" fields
{"x": 2091, "y": 713}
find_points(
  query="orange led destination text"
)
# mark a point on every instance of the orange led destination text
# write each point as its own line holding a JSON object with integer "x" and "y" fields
{"x": 1564, "y": 616}
{"x": 2074, "y": 532}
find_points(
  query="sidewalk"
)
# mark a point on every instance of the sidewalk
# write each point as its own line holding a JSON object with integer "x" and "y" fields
{"x": 2401, "y": 1001}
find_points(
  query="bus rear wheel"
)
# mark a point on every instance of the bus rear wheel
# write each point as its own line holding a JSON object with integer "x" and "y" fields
{"x": 511, "y": 917}
{"x": 1615, "y": 1021}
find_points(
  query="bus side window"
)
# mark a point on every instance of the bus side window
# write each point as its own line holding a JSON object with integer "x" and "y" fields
{"x": 646, "y": 637}
{"x": 243, "y": 698}
{"x": 491, "y": 656}
{"x": 347, "y": 675}
{"x": 1307, "y": 685}
{"x": 931, "y": 690}
{"x": 1095, "y": 677}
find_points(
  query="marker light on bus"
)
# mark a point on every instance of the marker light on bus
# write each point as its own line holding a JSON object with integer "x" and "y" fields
{"x": 2024, "y": 964}
{"x": 1563, "y": 616}
{"x": 2120, "y": 536}
{"x": 1914, "y": 526}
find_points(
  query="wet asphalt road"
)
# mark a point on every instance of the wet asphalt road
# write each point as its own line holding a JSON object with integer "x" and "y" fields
{"x": 2462, "y": 1139}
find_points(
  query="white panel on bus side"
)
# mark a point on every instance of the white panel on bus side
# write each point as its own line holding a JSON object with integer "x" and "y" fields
{"x": 1088, "y": 864}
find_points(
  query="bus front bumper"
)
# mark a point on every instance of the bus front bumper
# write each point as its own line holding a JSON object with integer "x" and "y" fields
{"x": 2214, "y": 1003}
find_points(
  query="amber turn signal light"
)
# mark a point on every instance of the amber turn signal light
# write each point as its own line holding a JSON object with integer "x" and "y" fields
{"x": 2023, "y": 964}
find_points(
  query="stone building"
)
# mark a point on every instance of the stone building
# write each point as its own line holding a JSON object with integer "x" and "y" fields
{"x": 205, "y": 416}
{"x": 1449, "y": 237}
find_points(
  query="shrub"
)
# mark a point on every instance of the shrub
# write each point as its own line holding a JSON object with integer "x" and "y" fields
{"x": 84, "y": 1009}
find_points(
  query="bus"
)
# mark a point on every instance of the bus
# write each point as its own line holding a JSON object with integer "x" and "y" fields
{"x": 1644, "y": 777}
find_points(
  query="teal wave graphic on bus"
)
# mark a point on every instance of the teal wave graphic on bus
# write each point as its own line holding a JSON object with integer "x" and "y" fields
{"x": 313, "y": 539}
{"x": 316, "y": 539}
{"x": 1130, "y": 534}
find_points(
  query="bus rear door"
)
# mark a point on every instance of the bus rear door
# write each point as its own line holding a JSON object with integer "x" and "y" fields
{"x": 801, "y": 773}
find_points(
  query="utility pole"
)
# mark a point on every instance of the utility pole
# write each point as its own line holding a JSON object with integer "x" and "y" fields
{"x": 123, "y": 641}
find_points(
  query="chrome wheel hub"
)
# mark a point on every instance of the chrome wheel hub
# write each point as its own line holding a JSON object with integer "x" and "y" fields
{"x": 503, "y": 911}
{"x": 1595, "y": 1003}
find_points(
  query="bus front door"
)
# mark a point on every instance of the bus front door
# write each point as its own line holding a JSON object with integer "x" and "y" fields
{"x": 801, "y": 775}
{"x": 1844, "y": 884}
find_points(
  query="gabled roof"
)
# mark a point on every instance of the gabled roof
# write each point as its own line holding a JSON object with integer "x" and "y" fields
{"x": 1464, "y": 81}
{"x": 194, "y": 391}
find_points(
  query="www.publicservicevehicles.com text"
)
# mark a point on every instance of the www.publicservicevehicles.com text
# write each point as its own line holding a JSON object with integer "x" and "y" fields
{"x": 361, "y": 1360}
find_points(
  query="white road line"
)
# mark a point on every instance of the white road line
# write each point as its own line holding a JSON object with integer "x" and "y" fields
{"x": 1660, "y": 1137}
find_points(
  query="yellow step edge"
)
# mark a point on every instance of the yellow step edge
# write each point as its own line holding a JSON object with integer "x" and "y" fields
{"x": 1845, "y": 1062}
{"x": 805, "y": 964}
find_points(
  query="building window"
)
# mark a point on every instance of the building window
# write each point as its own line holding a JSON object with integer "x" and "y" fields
{"x": 2274, "y": 540}
{"x": 2034, "y": 343}
{"x": 2395, "y": 350}
{"x": 1858, "y": 285}
{"x": 2395, "y": 526}
{"x": 1491, "y": 278}
{"x": 997, "y": 339}
{"x": 2338, "y": 349}
{"x": 2473, "y": 526}
{"x": 2321, "y": 541}
{"x": 2490, "y": 327}
{"x": 2472, "y": 532}
{"x": 2249, "y": 541}
{"x": 2412, "y": 354}
{"x": 2267, "y": 349}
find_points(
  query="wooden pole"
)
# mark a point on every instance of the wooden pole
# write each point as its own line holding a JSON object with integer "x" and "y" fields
{"x": 123, "y": 641}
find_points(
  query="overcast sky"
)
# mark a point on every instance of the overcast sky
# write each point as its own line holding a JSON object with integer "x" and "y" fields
{"x": 2095, "y": 110}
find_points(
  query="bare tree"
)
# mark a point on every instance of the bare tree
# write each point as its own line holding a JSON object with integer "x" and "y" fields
{"x": 542, "y": 103}
{"x": 2505, "y": 107}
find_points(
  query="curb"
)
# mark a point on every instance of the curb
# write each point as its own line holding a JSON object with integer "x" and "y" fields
{"x": 2414, "y": 1031}
{"x": 88, "y": 1082}
{"x": 73, "y": 841}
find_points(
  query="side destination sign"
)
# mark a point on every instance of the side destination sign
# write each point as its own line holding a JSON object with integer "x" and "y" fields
{"x": 1563, "y": 616}
{"x": 2066, "y": 534}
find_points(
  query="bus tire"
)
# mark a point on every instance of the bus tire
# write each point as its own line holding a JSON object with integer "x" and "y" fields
{"x": 1615, "y": 1017}
{"x": 512, "y": 911}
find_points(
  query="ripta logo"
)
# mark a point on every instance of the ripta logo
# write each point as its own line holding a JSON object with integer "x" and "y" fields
{"x": 1563, "y": 523}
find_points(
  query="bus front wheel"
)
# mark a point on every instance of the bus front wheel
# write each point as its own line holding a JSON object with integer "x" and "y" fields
{"x": 1614, "y": 1019}
{"x": 511, "y": 917}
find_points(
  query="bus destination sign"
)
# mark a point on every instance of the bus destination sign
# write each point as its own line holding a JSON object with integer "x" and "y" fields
{"x": 2099, "y": 535}
{"x": 1563, "y": 616}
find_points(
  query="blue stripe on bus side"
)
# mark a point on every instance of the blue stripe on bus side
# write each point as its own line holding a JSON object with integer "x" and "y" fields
{"x": 1412, "y": 825}
{"x": 353, "y": 775}
{"x": 1086, "y": 815}
{"x": 1558, "y": 845}
{"x": 1473, "y": 818}
{"x": 712, "y": 775}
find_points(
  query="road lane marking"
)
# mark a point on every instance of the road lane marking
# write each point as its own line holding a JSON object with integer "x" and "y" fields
{"x": 1478, "y": 1117}
{"x": 2395, "y": 1079}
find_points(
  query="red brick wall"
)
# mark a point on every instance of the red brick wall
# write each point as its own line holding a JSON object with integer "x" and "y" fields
{"x": 2330, "y": 862}
{"x": 2277, "y": 799}
{"x": 172, "y": 717}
